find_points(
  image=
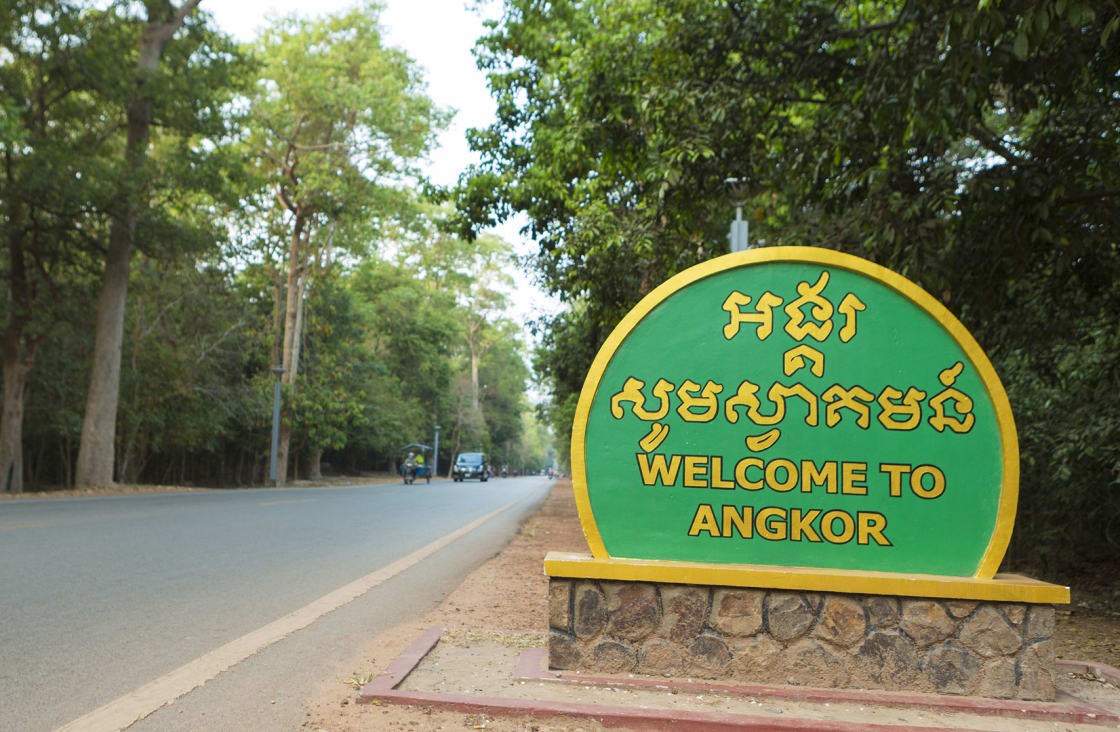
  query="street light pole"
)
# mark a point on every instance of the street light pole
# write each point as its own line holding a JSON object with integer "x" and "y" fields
{"x": 435, "y": 454}
{"x": 275, "y": 424}
{"x": 739, "y": 236}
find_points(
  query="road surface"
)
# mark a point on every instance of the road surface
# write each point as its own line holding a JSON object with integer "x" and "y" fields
{"x": 100, "y": 597}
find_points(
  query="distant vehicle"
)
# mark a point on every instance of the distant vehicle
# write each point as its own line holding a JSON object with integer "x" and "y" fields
{"x": 414, "y": 464}
{"x": 470, "y": 465}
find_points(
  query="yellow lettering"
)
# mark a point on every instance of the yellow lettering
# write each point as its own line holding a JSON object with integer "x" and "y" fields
{"x": 856, "y": 399}
{"x": 962, "y": 403}
{"x": 718, "y": 481}
{"x": 854, "y": 472}
{"x": 918, "y": 486}
{"x": 695, "y": 471}
{"x": 848, "y": 307}
{"x": 910, "y": 409}
{"x": 871, "y": 525}
{"x": 821, "y": 310}
{"x": 779, "y": 392}
{"x": 827, "y": 527}
{"x": 762, "y": 526}
{"x": 810, "y": 476}
{"x": 895, "y": 471}
{"x": 740, "y": 522}
{"x": 655, "y": 469}
{"x": 706, "y": 401}
{"x": 704, "y": 520}
{"x": 790, "y": 480}
{"x": 764, "y": 315}
{"x": 741, "y": 474}
{"x": 800, "y": 523}
{"x": 632, "y": 393}
{"x": 794, "y": 360}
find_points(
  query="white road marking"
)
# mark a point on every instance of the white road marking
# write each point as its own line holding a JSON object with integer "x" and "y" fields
{"x": 139, "y": 703}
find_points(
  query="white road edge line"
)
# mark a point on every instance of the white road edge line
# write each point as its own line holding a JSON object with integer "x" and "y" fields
{"x": 139, "y": 703}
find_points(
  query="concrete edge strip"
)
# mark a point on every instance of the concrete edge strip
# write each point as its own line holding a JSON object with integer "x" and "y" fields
{"x": 403, "y": 664}
{"x": 139, "y": 703}
{"x": 531, "y": 668}
{"x": 628, "y": 717}
{"x": 383, "y": 689}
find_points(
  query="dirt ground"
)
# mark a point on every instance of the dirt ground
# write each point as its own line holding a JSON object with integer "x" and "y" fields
{"x": 509, "y": 593}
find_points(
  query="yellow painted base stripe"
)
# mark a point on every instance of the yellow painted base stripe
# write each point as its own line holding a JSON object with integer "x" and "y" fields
{"x": 1001, "y": 588}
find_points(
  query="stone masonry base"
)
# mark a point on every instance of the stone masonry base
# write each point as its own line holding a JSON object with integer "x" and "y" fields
{"x": 825, "y": 639}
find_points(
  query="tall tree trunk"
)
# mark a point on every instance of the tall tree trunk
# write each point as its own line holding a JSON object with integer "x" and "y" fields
{"x": 17, "y": 364}
{"x": 96, "y": 452}
{"x": 290, "y": 353}
{"x": 315, "y": 464}
{"x": 17, "y": 350}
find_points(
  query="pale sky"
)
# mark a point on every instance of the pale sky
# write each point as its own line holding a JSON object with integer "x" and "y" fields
{"x": 439, "y": 36}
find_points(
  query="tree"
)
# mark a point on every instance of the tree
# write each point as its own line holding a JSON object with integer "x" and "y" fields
{"x": 41, "y": 195}
{"x": 339, "y": 123}
{"x": 198, "y": 70}
{"x": 902, "y": 132}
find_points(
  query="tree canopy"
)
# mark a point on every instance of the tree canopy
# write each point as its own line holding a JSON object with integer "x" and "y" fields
{"x": 260, "y": 205}
{"x": 972, "y": 147}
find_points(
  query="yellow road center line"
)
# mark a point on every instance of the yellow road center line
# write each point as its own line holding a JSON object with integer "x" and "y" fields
{"x": 139, "y": 703}
{"x": 21, "y": 526}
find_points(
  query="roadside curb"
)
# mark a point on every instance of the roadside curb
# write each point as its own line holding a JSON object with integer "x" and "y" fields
{"x": 531, "y": 666}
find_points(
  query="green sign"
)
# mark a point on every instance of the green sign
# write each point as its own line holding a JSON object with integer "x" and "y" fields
{"x": 797, "y": 407}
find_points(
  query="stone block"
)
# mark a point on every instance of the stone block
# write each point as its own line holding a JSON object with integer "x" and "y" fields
{"x": 988, "y": 634}
{"x": 737, "y": 613}
{"x": 926, "y": 622}
{"x": 613, "y": 657}
{"x": 709, "y": 655}
{"x": 661, "y": 658}
{"x": 788, "y": 615}
{"x": 961, "y": 608}
{"x": 1040, "y": 622}
{"x": 1015, "y": 613}
{"x": 564, "y": 651}
{"x": 888, "y": 659}
{"x": 951, "y": 668}
{"x": 560, "y": 605}
{"x": 1036, "y": 672}
{"x": 684, "y": 611}
{"x": 997, "y": 679}
{"x": 843, "y": 621}
{"x": 882, "y": 612}
{"x": 753, "y": 661}
{"x": 633, "y": 610}
{"x": 812, "y": 663}
{"x": 590, "y": 611}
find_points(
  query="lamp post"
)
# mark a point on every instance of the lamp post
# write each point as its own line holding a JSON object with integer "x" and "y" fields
{"x": 435, "y": 454}
{"x": 739, "y": 236}
{"x": 275, "y": 424}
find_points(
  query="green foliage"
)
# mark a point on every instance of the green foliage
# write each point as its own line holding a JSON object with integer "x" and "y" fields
{"x": 975, "y": 149}
{"x": 317, "y": 115}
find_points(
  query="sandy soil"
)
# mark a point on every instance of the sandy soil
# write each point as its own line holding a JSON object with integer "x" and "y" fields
{"x": 509, "y": 594}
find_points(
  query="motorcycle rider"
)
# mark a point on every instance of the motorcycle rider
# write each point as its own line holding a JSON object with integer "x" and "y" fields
{"x": 410, "y": 465}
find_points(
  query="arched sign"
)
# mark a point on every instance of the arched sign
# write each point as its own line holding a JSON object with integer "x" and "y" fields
{"x": 797, "y": 407}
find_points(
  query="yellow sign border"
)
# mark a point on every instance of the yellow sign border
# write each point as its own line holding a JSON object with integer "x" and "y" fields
{"x": 1001, "y": 588}
{"x": 1009, "y": 490}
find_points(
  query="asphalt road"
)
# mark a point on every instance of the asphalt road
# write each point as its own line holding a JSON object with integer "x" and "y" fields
{"x": 100, "y": 596}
